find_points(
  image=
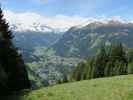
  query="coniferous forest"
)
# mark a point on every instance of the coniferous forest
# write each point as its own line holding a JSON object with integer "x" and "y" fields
{"x": 109, "y": 61}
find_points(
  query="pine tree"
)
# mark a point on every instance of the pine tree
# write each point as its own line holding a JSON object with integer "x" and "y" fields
{"x": 13, "y": 70}
{"x": 78, "y": 72}
{"x": 100, "y": 60}
{"x": 90, "y": 69}
{"x": 118, "y": 57}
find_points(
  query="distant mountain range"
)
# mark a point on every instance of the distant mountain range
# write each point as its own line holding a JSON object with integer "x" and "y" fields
{"x": 84, "y": 41}
{"x": 78, "y": 41}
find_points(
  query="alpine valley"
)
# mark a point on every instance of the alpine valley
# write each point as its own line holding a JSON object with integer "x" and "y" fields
{"x": 51, "y": 55}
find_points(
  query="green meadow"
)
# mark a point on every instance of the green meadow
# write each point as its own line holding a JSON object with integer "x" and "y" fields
{"x": 111, "y": 88}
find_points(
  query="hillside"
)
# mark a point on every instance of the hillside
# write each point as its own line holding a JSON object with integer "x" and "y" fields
{"x": 42, "y": 61}
{"x": 114, "y": 88}
{"x": 28, "y": 41}
{"x": 84, "y": 41}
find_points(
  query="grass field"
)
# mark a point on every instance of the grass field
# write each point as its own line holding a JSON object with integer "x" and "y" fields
{"x": 114, "y": 88}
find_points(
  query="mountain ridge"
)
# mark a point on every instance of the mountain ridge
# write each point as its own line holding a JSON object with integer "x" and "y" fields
{"x": 84, "y": 41}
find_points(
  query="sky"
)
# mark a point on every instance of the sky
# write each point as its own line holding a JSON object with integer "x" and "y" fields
{"x": 66, "y": 12}
{"x": 83, "y": 8}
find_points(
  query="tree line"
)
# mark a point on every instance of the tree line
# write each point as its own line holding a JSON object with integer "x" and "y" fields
{"x": 109, "y": 61}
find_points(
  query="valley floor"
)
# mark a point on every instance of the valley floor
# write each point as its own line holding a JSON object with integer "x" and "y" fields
{"x": 114, "y": 88}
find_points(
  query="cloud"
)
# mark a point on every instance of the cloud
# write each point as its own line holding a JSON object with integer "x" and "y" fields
{"x": 26, "y": 20}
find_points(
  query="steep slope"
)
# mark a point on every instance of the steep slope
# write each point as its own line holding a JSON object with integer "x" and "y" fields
{"x": 28, "y": 41}
{"x": 84, "y": 41}
{"x": 51, "y": 68}
{"x": 115, "y": 88}
{"x": 41, "y": 60}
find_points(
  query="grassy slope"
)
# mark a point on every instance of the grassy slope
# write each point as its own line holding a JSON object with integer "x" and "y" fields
{"x": 115, "y": 88}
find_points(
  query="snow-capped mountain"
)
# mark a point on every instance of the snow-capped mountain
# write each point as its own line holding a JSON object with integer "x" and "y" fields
{"x": 29, "y": 21}
{"x": 36, "y": 27}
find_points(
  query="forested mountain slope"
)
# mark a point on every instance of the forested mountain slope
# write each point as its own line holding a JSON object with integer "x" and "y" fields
{"x": 84, "y": 41}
